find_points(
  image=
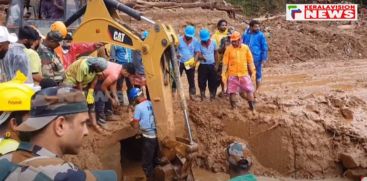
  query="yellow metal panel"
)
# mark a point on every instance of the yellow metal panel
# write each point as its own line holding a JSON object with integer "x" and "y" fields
{"x": 98, "y": 26}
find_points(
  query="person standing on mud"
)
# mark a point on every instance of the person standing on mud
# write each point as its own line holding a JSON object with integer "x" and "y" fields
{"x": 187, "y": 49}
{"x": 218, "y": 36}
{"x": 239, "y": 163}
{"x": 208, "y": 56}
{"x": 256, "y": 41}
{"x": 144, "y": 119}
{"x": 224, "y": 43}
{"x": 238, "y": 66}
{"x": 56, "y": 126}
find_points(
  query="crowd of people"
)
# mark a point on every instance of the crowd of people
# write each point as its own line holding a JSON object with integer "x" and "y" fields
{"x": 226, "y": 59}
{"x": 74, "y": 88}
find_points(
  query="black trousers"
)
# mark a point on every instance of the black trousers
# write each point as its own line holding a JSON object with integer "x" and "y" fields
{"x": 103, "y": 105}
{"x": 190, "y": 74}
{"x": 149, "y": 156}
{"x": 207, "y": 74}
{"x": 219, "y": 74}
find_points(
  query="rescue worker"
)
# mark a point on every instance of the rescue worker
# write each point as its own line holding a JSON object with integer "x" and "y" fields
{"x": 256, "y": 41}
{"x": 35, "y": 60}
{"x": 15, "y": 103}
{"x": 60, "y": 27}
{"x": 82, "y": 75}
{"x": 187, "y": 49}
{"x": 207, "y": 57}
{"x": 52, "y": 66}
{"x": 238, "y": 68}
{"x": 106, "y": 90}
{"x": 16, "y": 57}
{"x": 239, "y": 162}
{"x": 5, "y": 39}
{"x": 122, "y": 56}
{"x": 145, "y": 121}
{"x": 221, "y": 32}
{"x": 218, "y": 36}
{"x": 69, "y": 52}
{"x": 56, "y": 126}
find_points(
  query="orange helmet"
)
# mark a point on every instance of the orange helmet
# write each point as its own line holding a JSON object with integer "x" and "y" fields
{"x": 235, "y": 36}
{"x": 60, "y": 27}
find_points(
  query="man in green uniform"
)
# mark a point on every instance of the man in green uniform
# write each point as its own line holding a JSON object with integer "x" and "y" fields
{"x": 56, "y": 126}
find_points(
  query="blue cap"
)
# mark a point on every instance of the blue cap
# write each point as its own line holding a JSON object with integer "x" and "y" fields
{"x": 134, "y": 93}
{"x": 190, "y": 31}
{"x": 204, "y": 34}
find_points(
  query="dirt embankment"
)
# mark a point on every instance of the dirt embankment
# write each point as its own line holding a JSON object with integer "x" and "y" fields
{"x": 300, "y": 138}
{"x": 301, "y": 41}
{"x": 289, "y": 42}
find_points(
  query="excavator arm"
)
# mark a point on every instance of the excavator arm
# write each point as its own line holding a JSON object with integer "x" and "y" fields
{"x": 100, "y": 23}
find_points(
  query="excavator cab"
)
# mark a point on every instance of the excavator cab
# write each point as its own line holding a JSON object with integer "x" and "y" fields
{"x": 40, "y": 13}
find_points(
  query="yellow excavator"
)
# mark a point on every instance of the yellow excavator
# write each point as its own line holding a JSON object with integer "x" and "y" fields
{"x": 100, "y": 21}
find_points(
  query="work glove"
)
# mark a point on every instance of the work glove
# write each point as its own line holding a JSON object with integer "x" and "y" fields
{"x": 90, "y": 96}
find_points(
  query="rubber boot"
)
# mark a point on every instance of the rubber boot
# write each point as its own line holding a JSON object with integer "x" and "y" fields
{"x": 233, "y": 104}
{"x": 233, "y": 101}
{"x": 251, "y": 105}
{"x": 192, "y": 97}
{"x": 202, "y": 95}
{"x": 212, "y": 96}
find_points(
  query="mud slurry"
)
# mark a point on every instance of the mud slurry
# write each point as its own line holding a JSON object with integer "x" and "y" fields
{"x": 311, "y": 122}
{"x": 299, "y": 138}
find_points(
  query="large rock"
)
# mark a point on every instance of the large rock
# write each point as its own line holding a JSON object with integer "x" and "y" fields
{"x": 349, "y": 160}
{"x": 347, "y": 113}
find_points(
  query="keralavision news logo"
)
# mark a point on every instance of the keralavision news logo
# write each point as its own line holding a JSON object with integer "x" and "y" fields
{"x": 322, "y": 12}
